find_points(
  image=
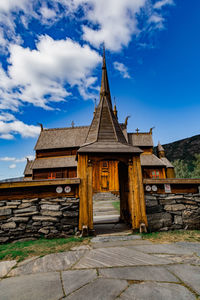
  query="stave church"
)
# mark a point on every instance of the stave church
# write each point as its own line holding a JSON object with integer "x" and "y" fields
{"x": 105, "y": 156}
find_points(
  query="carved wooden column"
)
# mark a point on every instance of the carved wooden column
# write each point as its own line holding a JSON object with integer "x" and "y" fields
{"x": 84, "y": 171}
{"x": 136, "y": 193}
{"x": 90, "y": 195}
{"x": 131, "y": 192}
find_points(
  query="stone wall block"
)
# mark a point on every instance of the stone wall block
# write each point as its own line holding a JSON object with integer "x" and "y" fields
{"x": 25, "y": 205}
{"x": 30, "y": 200}
{"x": 45, "y": 218}
{"x": 25, "y": 210}
{"x": 167, "y": 201}
{"x": 174, "y": 207}
{"x": 178, "y": 220}
{"x": 51, "y": 213}
{"x": 9, "y": 225}
{"x": 13, "y": 203}
{"x": 19, "y": 219}
{"x": 5, "y": 211}
{"x": 50, "y": 207}
{"x": 43, "y": 231}
{"x": 2, "y": 203}
{"x": 70, "y": 214}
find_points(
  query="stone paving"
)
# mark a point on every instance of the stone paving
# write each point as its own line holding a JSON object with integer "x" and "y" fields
{"x": 106, "y": 270}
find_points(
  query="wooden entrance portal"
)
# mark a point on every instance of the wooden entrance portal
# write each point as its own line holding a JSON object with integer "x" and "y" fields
{"x": 96, "y": 176}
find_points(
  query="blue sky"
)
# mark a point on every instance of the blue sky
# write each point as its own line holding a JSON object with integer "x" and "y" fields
{"x": 50, "y": 54}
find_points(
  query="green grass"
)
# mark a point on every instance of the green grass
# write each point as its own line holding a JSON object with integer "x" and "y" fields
{"x": 40, "y": 247}
{"x": 173, "y": 236}
{"x": 116, "y": 205}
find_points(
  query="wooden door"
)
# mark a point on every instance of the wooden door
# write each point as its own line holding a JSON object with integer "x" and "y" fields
{"x": 104, "y": 177}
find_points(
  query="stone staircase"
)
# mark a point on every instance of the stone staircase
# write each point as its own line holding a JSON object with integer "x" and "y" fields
{"x": 103, "y": 209}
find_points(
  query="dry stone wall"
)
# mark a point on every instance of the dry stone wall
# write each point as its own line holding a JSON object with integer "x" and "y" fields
{"x": 173, "y": 211}
{"x": 33, "y": 218}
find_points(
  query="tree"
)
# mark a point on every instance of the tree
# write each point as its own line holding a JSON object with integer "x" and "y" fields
{"x": 196, "y": 163}
{"x": 181, "y": 169}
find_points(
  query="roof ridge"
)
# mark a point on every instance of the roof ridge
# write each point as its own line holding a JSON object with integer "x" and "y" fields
{"x": 65, "y": 128}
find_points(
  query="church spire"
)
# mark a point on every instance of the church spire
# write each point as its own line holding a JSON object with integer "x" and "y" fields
{"x": 105, "y": 89}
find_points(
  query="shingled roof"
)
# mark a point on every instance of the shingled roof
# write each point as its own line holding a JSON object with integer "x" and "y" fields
{"x": 151, "y": 160}
{"x": 28, "y": 168}
{"x": 140, "y": 139}
{"x": 166, "y": 162}
{"x": 55, "y": 162}
{"x": 62, "y": 138}
{"x": 105, "y": 133}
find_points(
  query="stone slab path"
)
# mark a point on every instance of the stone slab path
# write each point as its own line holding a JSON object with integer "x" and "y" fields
{"x": 105, "y": 270}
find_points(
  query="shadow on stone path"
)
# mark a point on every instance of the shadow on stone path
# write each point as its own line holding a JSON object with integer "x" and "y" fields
{"x": 121, "y": 268}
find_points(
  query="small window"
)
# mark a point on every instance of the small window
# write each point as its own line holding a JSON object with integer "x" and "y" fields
{"x": 155, "y": 174}
{"x": 52, "y": 175}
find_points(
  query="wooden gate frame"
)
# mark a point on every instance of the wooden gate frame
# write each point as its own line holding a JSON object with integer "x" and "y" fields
{"x": 136, "y": 201}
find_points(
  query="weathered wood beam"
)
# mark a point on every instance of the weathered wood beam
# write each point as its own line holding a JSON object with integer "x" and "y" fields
{"x": 6, "y": 185}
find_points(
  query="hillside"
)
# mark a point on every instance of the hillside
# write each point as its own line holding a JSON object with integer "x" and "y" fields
{"x": 183, "y": 149}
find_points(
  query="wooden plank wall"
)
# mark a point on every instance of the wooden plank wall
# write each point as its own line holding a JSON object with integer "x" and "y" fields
{"x": 113, "y": 177}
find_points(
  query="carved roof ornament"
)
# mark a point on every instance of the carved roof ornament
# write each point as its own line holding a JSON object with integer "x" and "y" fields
{"x": 41, "y": 126}
{"x": 151, "y": 129}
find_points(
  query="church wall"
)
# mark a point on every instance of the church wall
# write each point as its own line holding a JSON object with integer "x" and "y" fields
{"x": 56, "y": 152}
{"x": 173, "y": 211}
{"x": 55, "y": 173}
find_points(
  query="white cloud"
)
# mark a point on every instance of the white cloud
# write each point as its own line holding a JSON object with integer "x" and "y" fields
{"x": 40, "y": 76}
{"x": 9, "y": 129}
{"x": 16, "y": 160}
{"x": 162, "y": 3}
{"x": 13, "y": 166}
{"x": 122, "y": 69}
{"x": 7, "y": 158}
{"x": 116, "y": 21}
{"x": 9, "y": 5}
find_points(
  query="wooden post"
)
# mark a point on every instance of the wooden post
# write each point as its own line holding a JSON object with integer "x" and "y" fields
{"x": 90, "y": 195}
{"x": 136, "y": 194}
{"x": 131, "y": 192}
{"x": 85, "y": 193}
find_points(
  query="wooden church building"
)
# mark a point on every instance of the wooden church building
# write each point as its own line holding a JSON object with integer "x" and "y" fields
{"x": 104, "y": 156}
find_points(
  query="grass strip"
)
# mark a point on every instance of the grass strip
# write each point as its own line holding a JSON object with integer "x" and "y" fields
{"x": 173, "y": 236}
{"x": 26, "y": 249}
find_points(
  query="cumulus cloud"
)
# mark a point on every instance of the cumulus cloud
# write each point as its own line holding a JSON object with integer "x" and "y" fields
{"x": 9, "y": 129}
{"x": 40, "y": 76}
{"x": 116, "y": 21}
{"x": 122, "y": 69}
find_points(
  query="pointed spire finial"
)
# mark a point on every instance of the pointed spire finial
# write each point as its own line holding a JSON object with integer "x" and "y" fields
{"x": 160, "y": 150}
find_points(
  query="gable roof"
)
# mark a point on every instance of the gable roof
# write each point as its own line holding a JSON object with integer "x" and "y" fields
{"x": 140, "y": 139}
{"x": 55, "y": 162}
{"x": 151, "y": 160}
{"x": 62, "y": 138}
